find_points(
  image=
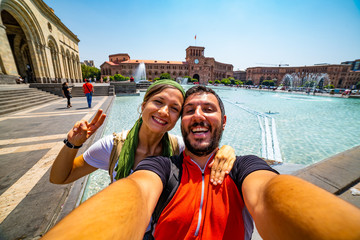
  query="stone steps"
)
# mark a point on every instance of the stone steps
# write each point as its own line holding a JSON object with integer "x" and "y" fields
{"x": 12, "y": 100}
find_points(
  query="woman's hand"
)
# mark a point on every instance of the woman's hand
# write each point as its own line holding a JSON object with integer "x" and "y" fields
{"x": 82, "y": 130}
{"x": 222, "y": 164}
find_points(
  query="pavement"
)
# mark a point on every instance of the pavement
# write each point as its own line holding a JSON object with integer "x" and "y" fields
{"x": 29, "y": 142}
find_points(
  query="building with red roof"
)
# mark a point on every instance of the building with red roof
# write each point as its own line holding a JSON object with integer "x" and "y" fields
{"x": 196, "y": 65}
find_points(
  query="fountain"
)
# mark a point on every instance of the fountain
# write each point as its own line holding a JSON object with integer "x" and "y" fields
{"x": 140, "y": 73}
{"x": 308, "y": 80}
{"x": 182, "y": 81}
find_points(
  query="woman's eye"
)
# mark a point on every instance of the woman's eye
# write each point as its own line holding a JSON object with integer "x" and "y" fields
{"x": 175, "y": 109}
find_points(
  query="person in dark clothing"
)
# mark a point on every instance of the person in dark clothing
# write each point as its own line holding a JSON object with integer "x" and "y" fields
{"x": 66, "y": 92}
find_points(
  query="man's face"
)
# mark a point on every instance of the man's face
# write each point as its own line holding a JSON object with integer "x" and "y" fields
{"x": 201, "y": 123}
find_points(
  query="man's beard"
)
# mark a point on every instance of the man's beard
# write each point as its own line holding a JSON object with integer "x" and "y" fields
{"x": 202, "y": 150}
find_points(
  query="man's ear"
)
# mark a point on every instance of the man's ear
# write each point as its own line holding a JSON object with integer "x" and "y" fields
{"x": 224, "y": 122}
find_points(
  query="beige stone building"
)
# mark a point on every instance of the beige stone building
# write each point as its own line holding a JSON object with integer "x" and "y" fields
{"x": 36, "y": 45}
{"x": 196, "y": 65}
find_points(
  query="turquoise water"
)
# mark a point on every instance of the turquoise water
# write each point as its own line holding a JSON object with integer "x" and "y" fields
{"x": 308, "y": 128}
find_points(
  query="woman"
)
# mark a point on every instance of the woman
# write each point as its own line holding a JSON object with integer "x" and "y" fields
{"x": 160, "y": 110}
{"x": 66, "y": 92}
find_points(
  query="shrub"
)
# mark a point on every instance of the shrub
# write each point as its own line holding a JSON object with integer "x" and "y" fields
{"x": 226, "y": 81}
{"x": 249, "y": 82}
{"x": 165, "y": 76}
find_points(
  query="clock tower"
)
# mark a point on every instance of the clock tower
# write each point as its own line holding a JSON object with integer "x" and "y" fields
{"x": 196, "y": 60}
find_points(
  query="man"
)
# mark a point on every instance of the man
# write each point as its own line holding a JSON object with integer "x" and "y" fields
{"x": 283, "y": 207}
{"x": 88, "y": 90}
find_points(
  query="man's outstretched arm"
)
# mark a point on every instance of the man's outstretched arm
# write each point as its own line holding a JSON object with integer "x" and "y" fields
{"x": 287, "y": 207}
{"x": 120, "y": 211}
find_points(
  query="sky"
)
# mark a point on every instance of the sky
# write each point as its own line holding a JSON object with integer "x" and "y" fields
{"x": 242, "y": 33}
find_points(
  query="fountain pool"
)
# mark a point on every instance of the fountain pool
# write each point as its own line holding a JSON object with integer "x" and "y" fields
{"x": 307, "y": 129}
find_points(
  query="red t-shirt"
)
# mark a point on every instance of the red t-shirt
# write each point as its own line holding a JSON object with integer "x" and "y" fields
{"x": 88, "y": 88}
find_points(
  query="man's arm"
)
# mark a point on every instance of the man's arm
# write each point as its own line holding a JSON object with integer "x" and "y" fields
{"x": 120, "y": 211}
{"x": 287, "y": 207}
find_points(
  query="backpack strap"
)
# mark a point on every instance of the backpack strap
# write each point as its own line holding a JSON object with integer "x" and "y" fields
{"x": 169, "y": 191}
{"x": 119, "y": 139}
{"x": 174, "y": 144}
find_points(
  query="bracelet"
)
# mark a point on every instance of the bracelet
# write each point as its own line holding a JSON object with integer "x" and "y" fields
{"x": 68, "y": 144}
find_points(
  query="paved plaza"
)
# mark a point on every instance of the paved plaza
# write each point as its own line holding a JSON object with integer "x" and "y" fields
{"x": 29, "y": 142}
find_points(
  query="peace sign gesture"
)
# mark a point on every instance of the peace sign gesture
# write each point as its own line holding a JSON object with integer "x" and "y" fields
{"x": 82, "y": 130}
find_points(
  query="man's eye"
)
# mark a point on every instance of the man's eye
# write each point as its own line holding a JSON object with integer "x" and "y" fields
{"x": 157, "y": 101}
{"x": 189, "y": 111}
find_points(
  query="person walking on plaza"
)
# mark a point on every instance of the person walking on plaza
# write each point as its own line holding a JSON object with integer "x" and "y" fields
{"x": 66, "y": 92}
{"x": 88, "y": 90}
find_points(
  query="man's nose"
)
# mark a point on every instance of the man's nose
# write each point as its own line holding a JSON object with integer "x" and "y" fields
{"x": 199, "y": 114}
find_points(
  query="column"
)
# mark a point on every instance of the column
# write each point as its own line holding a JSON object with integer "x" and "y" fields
{"x": 8, "y": 65}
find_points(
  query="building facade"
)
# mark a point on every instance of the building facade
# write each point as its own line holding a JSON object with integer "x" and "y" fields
{"x": 355, "y": 65}
{"x": 240, "y": 75}
{"x": 339, "y": 75}
{"x": 89, "y": 63}
{"x": 36, "y": 45}
{"x": 196, "y": 65}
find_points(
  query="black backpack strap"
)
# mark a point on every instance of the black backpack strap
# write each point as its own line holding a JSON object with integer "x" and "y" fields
{"x": 169, "y": 191}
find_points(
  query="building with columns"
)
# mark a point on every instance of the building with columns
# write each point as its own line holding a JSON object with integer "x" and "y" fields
{"x": 196, "y": 65}
{"x": 36, "y": 45}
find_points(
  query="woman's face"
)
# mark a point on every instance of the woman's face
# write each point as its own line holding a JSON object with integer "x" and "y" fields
{"x": 161, "y": 112}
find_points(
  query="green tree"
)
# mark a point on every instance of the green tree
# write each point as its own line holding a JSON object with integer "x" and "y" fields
{"x": 104, "y": 79}
{"x": 119, "y": 77}
{"x": 358, "y": 85}
{"x": 217, "y": 81}
{"x": 211, "y": 82}
{"x": 330, "y": 86}
{"x": 249, "y": 82}
{"x": 226, "y": 81}
{"x": 265, "y": 83}
{"x": 165, "y": 76}
{"x": 194, "y": 80}
{"x": 90, "y": 72}
{"x": 237, "y": 82}
{"x": 157, "y": 78}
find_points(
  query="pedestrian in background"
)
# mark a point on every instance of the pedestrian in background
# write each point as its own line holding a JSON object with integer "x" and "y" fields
{"x": 66, "y": 92}
{"x": 88, "y": 90}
